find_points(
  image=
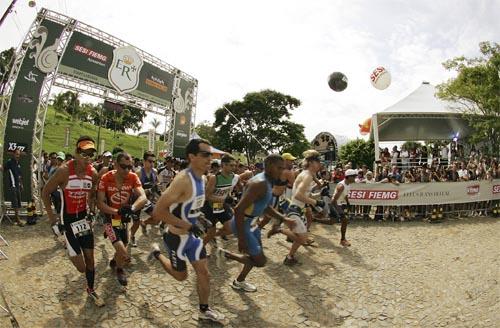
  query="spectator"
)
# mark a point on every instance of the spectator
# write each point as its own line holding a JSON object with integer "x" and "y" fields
{"x": 405, "y": 158}
{"x": 15, "y": 183}
{"x": 395, "y": 155}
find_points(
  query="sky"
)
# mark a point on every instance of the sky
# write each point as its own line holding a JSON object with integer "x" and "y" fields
{"x": 236, "y": 47}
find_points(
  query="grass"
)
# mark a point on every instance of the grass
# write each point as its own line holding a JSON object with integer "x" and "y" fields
{"x": 54, "y": 135}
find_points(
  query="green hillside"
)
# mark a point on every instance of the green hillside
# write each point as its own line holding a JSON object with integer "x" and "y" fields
{"x": 53, "y": 138}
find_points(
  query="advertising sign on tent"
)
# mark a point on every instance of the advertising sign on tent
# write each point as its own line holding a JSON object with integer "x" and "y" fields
{"x": 183, "y": 108}
{"x": 39, "y": 60}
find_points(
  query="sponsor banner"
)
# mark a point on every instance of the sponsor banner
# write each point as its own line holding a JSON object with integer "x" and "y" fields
{"x": 40, "y": 59}
{"x": 424, "y": 193}
{"x": 121, "y": 69}
{"x": 183, "y": 105}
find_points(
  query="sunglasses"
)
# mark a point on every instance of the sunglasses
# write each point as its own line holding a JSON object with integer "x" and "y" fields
{"x": 126, "y": 167}
{"x": 204, "y": 153}
{"x": 87, "y": 154}
{"x": 53, "y": 158}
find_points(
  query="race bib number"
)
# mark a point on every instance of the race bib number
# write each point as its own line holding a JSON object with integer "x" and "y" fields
{"x": 218, "y": 206}
{"x": 198, "y": 202}
{"x": 80, "y": 228}
{"x": 116, "y": 222}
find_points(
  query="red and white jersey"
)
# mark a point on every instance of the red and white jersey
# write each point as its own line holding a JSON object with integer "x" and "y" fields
{"x": 75, "y": 194}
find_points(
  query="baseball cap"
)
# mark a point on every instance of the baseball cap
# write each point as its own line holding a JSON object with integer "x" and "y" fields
{"x": 351, "y": 172}
{"x": 288, "y": 157}
{"x": 86, "y": 144}
{"x": 61, "y": 155}
{"x": 107, "y": 154}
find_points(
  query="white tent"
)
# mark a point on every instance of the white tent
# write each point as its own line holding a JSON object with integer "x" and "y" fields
{"x": 419, "y": 116}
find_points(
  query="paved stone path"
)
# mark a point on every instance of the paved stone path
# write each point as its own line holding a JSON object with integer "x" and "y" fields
{"x": 395, "y": 275}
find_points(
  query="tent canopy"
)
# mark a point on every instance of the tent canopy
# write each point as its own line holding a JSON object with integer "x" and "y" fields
{"x": 419, "y": 116}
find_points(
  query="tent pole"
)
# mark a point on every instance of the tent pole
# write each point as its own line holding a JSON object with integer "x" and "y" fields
{"x": 375, "y": 136}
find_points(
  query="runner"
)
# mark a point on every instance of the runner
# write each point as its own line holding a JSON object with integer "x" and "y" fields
{"x": 341, "y": 202}
{"x": 301, "y": 196}
{"x": 166, "y": 174}
{"x": 219, "y": 199}
{"x": 180, "y": 207}
{"x": 256, "y": 200}
{"x": 77, "y": 180}
{"x": 113, "y": 199}
{"x": 149, "y": 179}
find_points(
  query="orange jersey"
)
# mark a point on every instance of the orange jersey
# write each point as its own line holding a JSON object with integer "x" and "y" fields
{"x": 117, "y": 197}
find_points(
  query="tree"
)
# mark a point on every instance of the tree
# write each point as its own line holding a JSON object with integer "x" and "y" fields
{"x": 67, "y": 102}
{"x": 129, "y": 118}
{"x": 155, "y": 124}
{"x": 359, "y": 152}
{"x": 477, "y": 90}
{"x": 207, "y": 131}
{"x": 265, "y": 115}
{"x": 6, "y": 61}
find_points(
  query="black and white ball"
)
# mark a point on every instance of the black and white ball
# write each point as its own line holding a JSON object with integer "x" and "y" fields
{"x": 337, "y": 81}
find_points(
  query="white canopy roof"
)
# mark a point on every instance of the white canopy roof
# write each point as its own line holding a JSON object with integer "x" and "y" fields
{"x": 419, "y": 116}
{"x": 420, "y": 101}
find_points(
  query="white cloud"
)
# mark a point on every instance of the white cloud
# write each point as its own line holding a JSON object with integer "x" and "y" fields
{"x": 234, "y": 47}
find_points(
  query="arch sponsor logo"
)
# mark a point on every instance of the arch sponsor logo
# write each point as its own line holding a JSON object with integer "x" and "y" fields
{"x": 374, "y": 194}
{"x": 124, "y": 71}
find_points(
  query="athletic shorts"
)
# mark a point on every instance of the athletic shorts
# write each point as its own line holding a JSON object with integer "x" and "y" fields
{"x": 182, "y": 248}
{"x": 78, "y": 233}
{"x": 14, "y": 195}
{"x": 116, "y": 234}
{"x": 221, "y": 217}
{"x": 252, "y": 235}
{"x": 297, "y": 214}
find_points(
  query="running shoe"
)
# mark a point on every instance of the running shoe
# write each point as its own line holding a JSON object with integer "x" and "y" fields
{"x": 155, "y": 249}
{"x": 211, "y": 314}
{"x": 122, "y": 278}
{"x": 345, "y": 242}
{"x": 290, "y": 261}
{"x": 132, "y": 242}
{"x": 93, "y": 295}
{"x": 244, "y": 286}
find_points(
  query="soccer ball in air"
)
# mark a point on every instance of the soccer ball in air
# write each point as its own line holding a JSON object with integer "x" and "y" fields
{"x": 337, "y": 81}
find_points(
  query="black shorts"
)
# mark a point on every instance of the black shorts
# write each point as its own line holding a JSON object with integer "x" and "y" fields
{"x": 221, "y": 217}
{"x": 14, "y": 196}
{"x": 84, "y": 237}
{"x": 116, "y": 234}
{"x": 182, "y": 248}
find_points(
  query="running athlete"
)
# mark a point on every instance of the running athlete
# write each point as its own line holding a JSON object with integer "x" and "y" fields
{"x": 166, "y": 174}
{"x": 180, "y": 207}
{"x": 301, "y": 196}
{"x": 256, "y": 200}
{"x": 220, "y": 201}
{"x": 77, "y": 180}
{"x": 149, "y": 180}
{"x": 340, "y": 201}
{"x": 113, "y": 199}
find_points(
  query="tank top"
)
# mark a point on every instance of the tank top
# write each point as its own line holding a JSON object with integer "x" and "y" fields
{"x": 295, "y": 201}
{"x": 148, "y": 181}
{"x": 257, "y": 208}
{"x": 76, "y": 191}
{"x": 223, "y": 187}
{"x": 190, "y": 210}
{"x": 345, "y": 192}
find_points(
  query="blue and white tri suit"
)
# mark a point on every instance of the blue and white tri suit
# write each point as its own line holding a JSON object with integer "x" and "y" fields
{"x": 182, "y": 248}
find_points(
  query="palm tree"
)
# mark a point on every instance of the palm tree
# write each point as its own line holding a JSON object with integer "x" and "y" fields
{"x": 155, "y": 123}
